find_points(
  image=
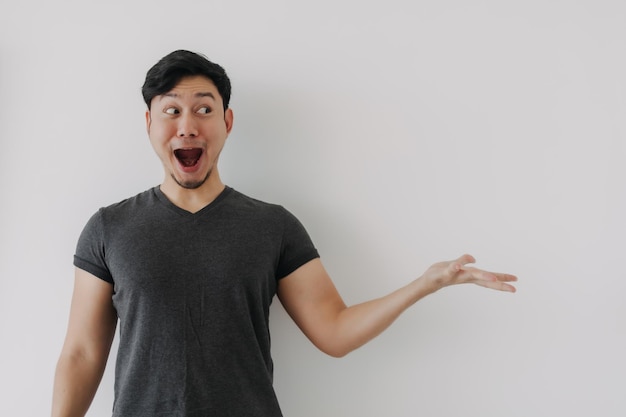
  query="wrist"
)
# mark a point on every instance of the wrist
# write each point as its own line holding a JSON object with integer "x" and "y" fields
{"x": 422, "y": 287}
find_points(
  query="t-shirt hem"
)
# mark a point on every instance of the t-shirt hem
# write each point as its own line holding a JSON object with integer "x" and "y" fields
{"x": 297, "y": 263}
{"x": 92, "y": 269}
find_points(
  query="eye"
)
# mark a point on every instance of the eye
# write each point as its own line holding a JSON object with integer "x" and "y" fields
{"x": 171, "y": 110}
{"x": 204, "y": 110}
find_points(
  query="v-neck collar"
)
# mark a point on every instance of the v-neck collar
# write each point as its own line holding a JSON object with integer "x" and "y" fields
{"x": 184, "y": 213}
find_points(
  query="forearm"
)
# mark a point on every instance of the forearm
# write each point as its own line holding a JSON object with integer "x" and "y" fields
{"x": 75, "y": 384}
{"x": 313, "y": 302}
{"x": 360, "y": 323}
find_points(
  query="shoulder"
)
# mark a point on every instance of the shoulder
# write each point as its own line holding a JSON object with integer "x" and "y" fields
{"x": 144, "y": 198}
{"x": 130, "y": 205}
{"x": 239, "y": 201}
{"x": 270, "y": 215}
{"x": 121, "y": 212}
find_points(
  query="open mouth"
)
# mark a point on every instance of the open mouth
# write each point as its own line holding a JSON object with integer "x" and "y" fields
{"x": 188, "y": 157}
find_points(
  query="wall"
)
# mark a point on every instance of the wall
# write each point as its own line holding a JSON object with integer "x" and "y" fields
{"x": 401, "y": 133}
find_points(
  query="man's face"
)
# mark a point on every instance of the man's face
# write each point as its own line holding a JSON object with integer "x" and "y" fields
{"x": 188, "y": 128}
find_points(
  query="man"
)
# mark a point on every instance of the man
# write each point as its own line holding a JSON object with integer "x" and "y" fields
{"x": 189, "y": 268}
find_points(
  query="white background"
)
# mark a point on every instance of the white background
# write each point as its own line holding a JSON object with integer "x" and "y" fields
{"x": 401, "y": 133}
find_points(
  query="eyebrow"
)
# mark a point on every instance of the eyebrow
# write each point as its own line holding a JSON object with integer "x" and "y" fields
{"x": 196, "y": 95}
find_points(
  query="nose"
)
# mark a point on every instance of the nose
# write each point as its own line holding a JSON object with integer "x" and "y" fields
{"x": 187, "y": 126}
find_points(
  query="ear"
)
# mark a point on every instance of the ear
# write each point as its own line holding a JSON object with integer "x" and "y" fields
{"x": 148, "y": 121}
{"x": 228, "y": 119}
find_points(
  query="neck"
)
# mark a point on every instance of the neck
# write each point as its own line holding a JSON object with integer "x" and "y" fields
{"x": 193, "y": 200}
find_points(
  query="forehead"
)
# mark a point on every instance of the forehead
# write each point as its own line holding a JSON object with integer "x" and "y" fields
{"x": 193, "y": 87}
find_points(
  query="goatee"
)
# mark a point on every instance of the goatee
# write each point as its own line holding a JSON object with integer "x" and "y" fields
{"x": 192, "y": 185}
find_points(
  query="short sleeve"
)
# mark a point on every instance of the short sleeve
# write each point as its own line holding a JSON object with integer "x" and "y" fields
{"x": 297, "y": 247}
{"x": 90, "y": 249}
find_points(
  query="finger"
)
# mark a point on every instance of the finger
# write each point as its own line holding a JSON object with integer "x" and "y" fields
{"x": 505, "y": 277}
{"x": 458, "y": 264}
{"x": 465, "y": 259}
{"x": 454, "y": 268}
{"x": 491, "y": 276}
{"x": 475, "y": 274}
{"x": 497, "y": 285}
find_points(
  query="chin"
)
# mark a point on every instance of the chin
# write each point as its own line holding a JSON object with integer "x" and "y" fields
{"x": 191, "y": 184}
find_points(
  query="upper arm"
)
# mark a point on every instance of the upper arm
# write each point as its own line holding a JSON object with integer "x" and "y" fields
{"x": 311, "y": 299}
{"x": 93, "y": 318}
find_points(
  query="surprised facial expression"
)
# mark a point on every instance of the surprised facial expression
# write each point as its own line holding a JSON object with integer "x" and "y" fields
{"x": 188, "y": 127}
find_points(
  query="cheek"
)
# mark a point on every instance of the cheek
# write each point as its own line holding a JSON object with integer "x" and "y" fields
{"x": 159, "y": 133}
{"x": 158, "y": 129}
{"x": 159, "y": 141}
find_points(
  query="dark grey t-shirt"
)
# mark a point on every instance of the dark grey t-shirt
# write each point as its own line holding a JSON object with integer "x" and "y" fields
{"x": 192, "y": 292}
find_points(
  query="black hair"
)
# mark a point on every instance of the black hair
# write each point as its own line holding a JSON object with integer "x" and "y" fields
{"x": 166, "y": 73}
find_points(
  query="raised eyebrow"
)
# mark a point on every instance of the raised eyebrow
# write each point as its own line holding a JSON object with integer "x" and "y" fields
{"x": 197, "y": 95}
{"x": 207, "y": 94}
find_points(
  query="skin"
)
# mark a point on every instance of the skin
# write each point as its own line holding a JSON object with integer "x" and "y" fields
{"x": 192, "y": 116}
{"x": 87, "y": 344}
